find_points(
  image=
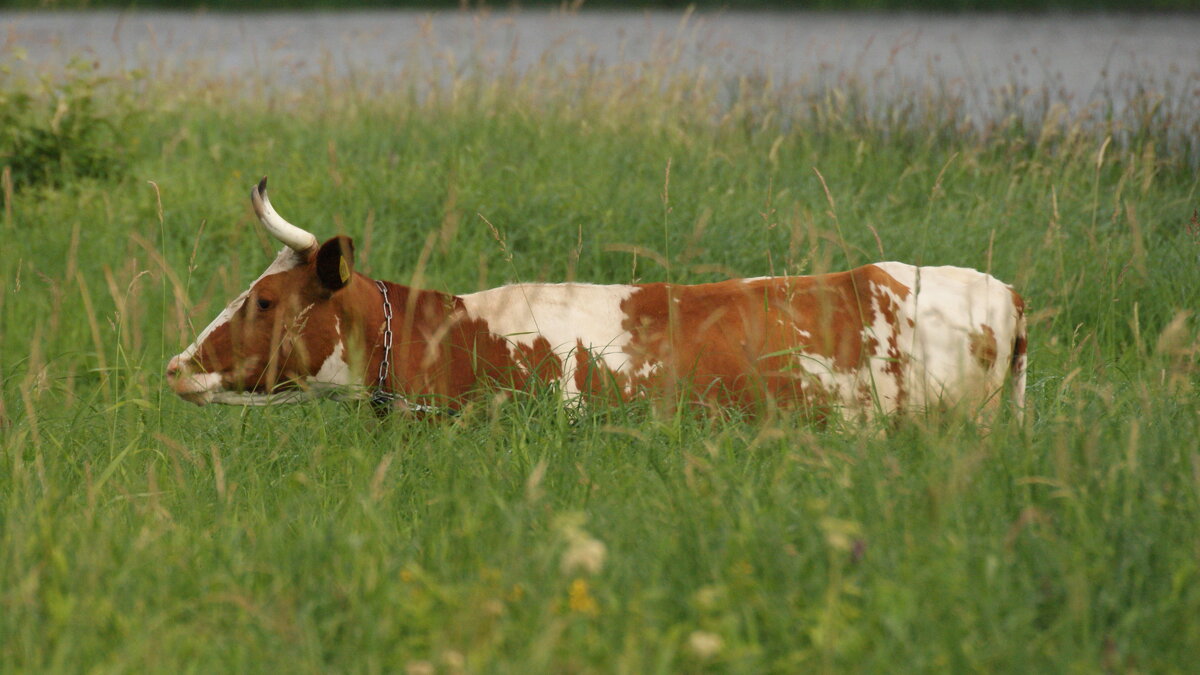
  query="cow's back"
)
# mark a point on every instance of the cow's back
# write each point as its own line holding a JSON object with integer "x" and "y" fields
{"x": 879, "y": 338}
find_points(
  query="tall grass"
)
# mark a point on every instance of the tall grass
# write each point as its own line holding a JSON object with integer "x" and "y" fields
{"x": 138, "y": 532}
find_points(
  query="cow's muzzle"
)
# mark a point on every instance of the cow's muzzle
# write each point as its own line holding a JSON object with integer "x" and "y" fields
{"x": 192, "y": 387}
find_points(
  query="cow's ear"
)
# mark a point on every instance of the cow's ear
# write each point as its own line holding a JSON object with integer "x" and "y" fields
{"x": 335, "y": 262}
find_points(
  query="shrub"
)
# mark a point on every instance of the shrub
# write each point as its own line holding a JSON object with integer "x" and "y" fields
{"x": 54, "y": 129}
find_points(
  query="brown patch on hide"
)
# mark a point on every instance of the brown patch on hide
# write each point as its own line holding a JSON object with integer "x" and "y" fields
{"x": 983, "y": 347}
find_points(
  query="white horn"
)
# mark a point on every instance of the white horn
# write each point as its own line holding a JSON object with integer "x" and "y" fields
{"x": 295, "y": 238}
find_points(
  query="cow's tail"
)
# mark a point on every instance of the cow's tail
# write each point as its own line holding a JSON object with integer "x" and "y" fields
{"x": 1019, "y": 361}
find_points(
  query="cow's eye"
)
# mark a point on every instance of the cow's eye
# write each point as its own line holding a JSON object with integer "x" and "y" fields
{"x": 264, "y": 304}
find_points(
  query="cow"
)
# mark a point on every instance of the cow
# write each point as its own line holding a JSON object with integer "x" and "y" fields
{"x": 879, "y": 339}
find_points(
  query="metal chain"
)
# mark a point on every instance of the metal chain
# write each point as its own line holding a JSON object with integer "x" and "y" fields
{"x": 381, "y": 398}
{"x": 387, "y": 335}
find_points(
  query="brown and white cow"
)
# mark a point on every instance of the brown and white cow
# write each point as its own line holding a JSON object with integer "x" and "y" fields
{"x": 881, "y": 338}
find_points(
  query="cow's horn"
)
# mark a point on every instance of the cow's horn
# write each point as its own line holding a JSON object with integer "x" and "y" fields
{"x": 295, "y": 238}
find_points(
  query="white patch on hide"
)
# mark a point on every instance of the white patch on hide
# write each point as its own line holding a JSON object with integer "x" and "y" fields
{"x": 885, "y": 391}
{"x": 334, "y": 377}
{"x": 947, "y": 306}
{"x": 566, "y": 315}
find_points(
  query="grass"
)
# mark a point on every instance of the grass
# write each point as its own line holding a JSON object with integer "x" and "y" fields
{"x": 138, "y": 532}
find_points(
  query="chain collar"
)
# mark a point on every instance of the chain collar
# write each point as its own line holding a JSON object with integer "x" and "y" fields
{"x": 387, "y": 336}
{"x": 381, "y": 398}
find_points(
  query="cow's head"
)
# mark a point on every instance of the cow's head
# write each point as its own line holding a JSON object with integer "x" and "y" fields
{"x": 283, "y": 339}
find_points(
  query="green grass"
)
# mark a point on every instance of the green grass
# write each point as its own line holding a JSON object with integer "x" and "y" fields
{"x": 140, "y": 533}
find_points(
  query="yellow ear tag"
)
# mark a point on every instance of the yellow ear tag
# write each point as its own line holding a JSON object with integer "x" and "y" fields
{"x": 343, "y": 269}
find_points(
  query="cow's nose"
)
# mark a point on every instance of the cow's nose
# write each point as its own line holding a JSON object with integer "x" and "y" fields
{"x": 173, "y": 367}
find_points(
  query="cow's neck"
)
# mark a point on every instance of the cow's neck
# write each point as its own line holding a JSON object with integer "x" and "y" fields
{"x": 421, "y": 350}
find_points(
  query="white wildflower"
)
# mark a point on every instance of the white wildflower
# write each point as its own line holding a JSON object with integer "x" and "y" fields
{"x": 584, "y": 553}
{"x": 704, "y": 644}
{"x": 419, "y": 668}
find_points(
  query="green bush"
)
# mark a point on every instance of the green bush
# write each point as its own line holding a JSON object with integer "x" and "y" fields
{"x": 55, "y": 129}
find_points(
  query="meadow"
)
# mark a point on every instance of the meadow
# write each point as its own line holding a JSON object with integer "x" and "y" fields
{"x": 141, "y": 533}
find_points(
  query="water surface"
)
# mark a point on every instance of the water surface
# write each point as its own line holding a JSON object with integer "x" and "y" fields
{"x": 1080, "y": 59}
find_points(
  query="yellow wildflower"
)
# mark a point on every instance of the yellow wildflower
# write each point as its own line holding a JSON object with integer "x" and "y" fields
{"x": 580, "y": 599}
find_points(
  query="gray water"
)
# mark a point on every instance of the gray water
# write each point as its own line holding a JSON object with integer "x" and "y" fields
{"x": 1079, "y": 58}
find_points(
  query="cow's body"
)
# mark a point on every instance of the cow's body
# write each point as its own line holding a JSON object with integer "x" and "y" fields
{"x": 881, "y": 338}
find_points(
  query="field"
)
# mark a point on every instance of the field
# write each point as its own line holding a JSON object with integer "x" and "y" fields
{"x": 140, "y": 533}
